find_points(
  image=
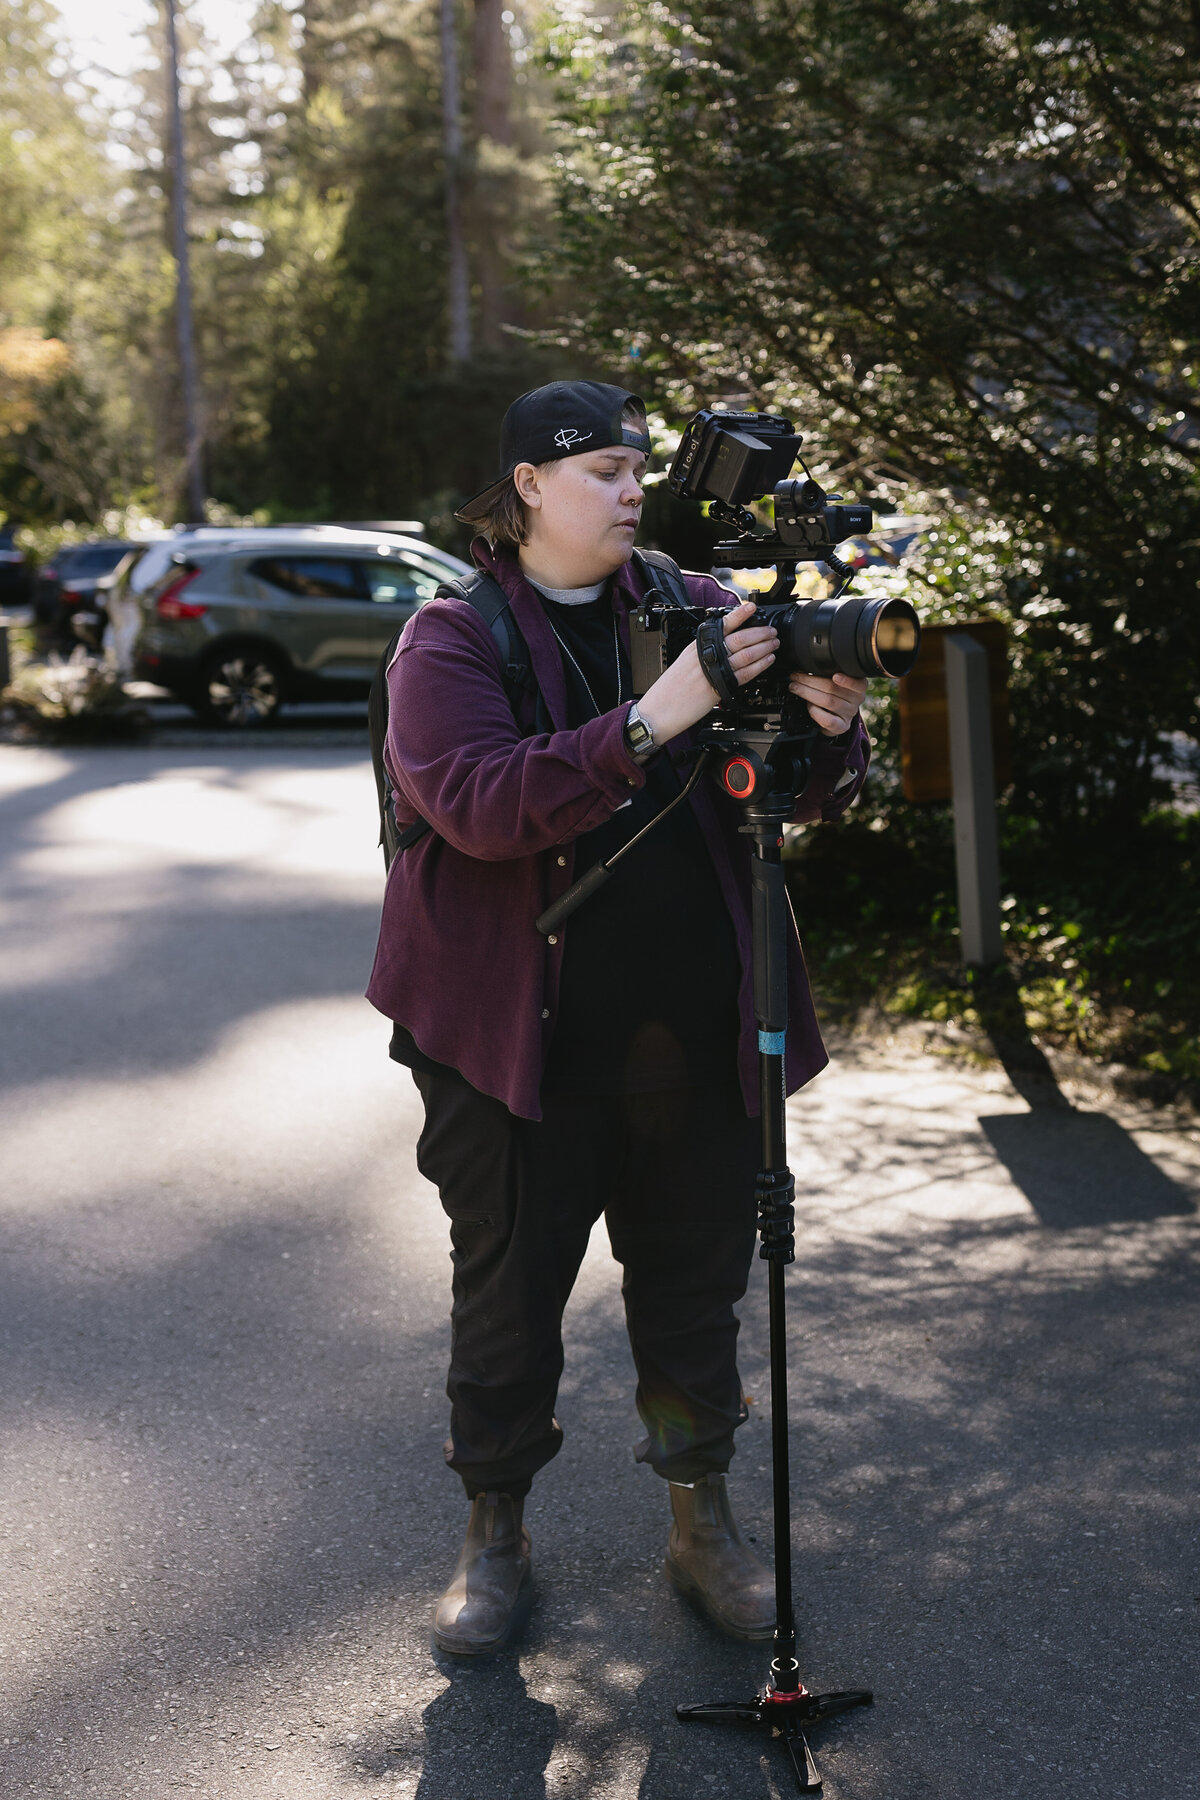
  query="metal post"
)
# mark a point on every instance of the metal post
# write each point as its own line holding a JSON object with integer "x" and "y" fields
{"x": 183, "y": 277}
{"x": 765, "y": 772}
{"x": 973, "y": 782}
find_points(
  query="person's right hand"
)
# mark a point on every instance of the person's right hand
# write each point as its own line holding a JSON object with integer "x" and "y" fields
{"x": 683, "y": 694}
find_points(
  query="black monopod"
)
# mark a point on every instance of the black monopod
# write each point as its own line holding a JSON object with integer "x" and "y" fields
{"x": 766, "y": 787}
{"x": 764, "y": 772}
{"x": 759, "y": 752}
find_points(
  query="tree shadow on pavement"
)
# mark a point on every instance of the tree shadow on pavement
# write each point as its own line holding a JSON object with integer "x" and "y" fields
{"x": 1078, "y": 1169}
{"x": 124, "y": 968}
{"x": 1074, "y": 1168}
{"x": 993, "y": 1432}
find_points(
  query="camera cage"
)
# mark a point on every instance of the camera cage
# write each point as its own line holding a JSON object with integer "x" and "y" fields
{"x": 731, "y": 458}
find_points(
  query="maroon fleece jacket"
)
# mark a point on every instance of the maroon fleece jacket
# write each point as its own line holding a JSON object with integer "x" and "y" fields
{"x": 459, "y": 961}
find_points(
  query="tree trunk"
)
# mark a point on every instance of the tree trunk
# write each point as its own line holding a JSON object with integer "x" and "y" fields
{"x": 193, "y": 442}
{"x": 493, "y": 73}
{"x": 492, "y": 123}
{"x": 459, "y": 295}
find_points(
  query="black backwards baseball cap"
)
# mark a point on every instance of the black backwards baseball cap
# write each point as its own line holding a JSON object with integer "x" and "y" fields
{"x": 564, "y": 418}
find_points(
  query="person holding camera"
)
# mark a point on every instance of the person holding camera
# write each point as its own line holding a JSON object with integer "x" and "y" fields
{"x": 611, "y": 1067}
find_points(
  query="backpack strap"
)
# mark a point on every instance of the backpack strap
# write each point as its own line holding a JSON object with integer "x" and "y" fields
{"x": 663, "y": 573}
{"x": 377, "y": 721}
{"x": 490, "y": 601}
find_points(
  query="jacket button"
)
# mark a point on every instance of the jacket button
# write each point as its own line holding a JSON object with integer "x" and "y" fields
{"x": 552, "y": 939}
{"x": 545, "y": 1012}
{"x": 562, "y": 862}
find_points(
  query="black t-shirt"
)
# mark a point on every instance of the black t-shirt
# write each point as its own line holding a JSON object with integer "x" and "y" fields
{"x": 650, "y": 970}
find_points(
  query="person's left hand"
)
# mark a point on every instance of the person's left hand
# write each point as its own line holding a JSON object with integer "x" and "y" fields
{"x": 833, "y": 700}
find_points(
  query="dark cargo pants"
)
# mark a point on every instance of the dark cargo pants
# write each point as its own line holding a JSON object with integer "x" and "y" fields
{"x": 673, "y": 1173}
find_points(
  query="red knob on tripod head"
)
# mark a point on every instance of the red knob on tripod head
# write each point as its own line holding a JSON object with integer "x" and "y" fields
{"x": 739, "y": 777}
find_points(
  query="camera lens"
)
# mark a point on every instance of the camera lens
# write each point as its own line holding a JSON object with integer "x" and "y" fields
{"x": 895, "y": 636}
{"x": 856, "y": 637}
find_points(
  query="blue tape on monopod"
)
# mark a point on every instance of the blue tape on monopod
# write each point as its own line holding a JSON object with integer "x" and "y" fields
{"x": 770, "y": 1043}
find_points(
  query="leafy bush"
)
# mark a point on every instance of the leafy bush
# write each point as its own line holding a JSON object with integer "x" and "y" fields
{"x": 79, "y": 697}
{"x": 1101, "y": 950}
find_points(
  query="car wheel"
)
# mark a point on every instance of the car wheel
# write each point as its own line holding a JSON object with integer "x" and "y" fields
{"x": 241, "y": 688}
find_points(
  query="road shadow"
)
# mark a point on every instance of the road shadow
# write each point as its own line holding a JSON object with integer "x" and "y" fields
{"x": 992, "y": 1458}
{"x": 484, "y": 1720}
{"x": 1074, "y": 1168}
{"x": 486, "y": 1715}
{"x": 143, "y": 971}
{"x": 1077, "y": 1169}
{"x": 224, "y": 1492}
{"x": 996, "y": 998}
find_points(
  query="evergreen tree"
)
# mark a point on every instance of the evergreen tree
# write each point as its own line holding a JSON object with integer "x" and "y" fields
{"x": 361, "y": 412}
{"x": 314, "y": 160}
{"x": 962, "y": 243}
{"x": 57, "y": 455}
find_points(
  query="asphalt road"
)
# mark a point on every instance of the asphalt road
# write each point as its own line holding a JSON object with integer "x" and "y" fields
{"x": 223, "y": 1329}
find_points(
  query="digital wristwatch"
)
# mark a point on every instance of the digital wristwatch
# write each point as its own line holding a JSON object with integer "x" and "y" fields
{"x": 639, "y": 738}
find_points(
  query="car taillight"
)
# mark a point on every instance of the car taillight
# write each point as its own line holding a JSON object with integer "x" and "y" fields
{"x": 170, "y": 606}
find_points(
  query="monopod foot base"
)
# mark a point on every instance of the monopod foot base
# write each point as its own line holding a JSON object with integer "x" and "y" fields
{"x": 783, "y": 1716}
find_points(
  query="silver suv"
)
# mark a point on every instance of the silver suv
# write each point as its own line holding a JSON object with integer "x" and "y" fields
{"x": 239, "y": 623}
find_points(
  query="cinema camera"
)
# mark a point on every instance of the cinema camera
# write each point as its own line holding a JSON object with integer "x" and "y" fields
{"x": 758, "y": 744}
{"x": 730, "y": 459}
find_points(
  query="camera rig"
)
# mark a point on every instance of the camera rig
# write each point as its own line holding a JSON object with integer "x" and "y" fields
{"x": 758, "y": 744}
{"x": 729, "y": 458}
{"x": 759, "y": 738}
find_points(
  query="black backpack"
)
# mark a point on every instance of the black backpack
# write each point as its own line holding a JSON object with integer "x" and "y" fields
{"x": 485, "y": 594}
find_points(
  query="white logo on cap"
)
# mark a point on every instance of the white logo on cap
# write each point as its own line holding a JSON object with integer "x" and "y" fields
{"x": 569, "y": 436}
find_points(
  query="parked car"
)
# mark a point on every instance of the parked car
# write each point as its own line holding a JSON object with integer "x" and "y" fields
{"x": 240, "y": 623}
{"x": 67, "y": 584}
{"x": 890, "y": 541}
{"x": 14, "y": 573}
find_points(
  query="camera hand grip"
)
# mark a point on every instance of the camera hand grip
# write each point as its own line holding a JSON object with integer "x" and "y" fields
{"x": 575, "y": 895}
{"x": 714, "y": 658}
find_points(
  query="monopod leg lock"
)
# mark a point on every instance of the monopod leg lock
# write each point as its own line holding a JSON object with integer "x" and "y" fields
{"x": 783, "y": 1708}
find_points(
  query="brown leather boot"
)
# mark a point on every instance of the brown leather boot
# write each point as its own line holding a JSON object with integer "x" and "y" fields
{"x": 488, "y": 1599}
{"x": 707, "y": 1560}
